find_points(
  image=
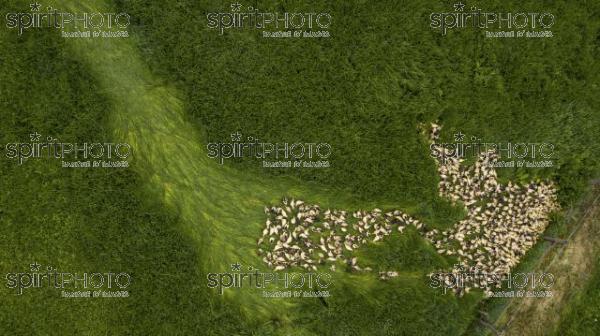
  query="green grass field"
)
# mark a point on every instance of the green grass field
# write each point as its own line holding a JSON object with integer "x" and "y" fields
{"x": 581, "y": 316}
{"x": 173, "y": 86}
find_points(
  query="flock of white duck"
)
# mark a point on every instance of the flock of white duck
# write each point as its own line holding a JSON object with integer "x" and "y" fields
{"x": 502, "y": 223}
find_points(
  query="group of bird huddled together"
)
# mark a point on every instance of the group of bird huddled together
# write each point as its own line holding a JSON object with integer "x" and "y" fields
{"x": 502, "y": 223}
{"x": 297, "y": 234}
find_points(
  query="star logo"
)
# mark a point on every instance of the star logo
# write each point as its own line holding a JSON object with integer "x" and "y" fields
{"x": 237, "y": 136}
{"x": 236, "y": 267}
{"x": 35, "y": 136}
{"x": 459, "y": 267}
{"x": 459, "y": 7}
{"x": 35, "y": 267}
{"x": 459, "y": 137}
{"x": 235, "y": 7}
{"x": 35, "y": 7}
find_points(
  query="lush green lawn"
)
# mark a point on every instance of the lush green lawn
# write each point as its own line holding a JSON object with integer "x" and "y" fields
{"x": 176, "y": 215}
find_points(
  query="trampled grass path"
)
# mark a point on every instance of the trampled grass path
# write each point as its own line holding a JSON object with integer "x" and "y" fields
{"x": 221, "y": 208}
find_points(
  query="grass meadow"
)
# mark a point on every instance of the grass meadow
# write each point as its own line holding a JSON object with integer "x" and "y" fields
{"x": 174, "y": 86}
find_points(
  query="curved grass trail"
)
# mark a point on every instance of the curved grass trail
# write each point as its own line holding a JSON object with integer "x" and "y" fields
{"x": 222, "y": 209}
